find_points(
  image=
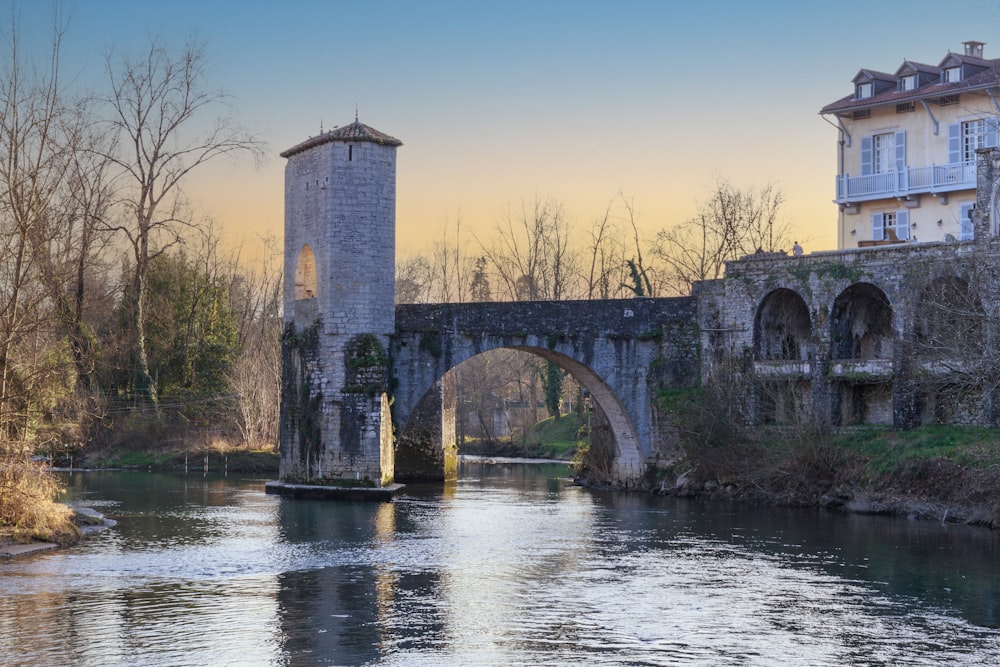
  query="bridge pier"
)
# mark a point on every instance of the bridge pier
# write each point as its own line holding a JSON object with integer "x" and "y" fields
{"x": 427, "y": 449}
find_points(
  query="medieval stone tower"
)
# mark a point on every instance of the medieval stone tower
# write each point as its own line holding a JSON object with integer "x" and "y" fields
{"x": 339, "y": 306}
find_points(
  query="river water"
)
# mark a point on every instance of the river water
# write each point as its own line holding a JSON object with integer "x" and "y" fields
{"x": 509, "y": 566}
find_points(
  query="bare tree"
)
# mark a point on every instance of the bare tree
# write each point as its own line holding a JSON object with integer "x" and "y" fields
{"x": 157, "y": 104}
{"x": 531, "y": 253}
{"x": 606, "y": 254}
{"x": 953, "y": 367}
{"x": 35, "y": 158}
{"x": 255, "y": 377}
{"x": 83, "y": 241}
{"x": 413, "y": 279}
{"x": 732, "y": 223}
{"x": 638, "y": 282}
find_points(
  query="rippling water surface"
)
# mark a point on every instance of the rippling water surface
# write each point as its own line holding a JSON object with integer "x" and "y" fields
{"x": 510, "y": 566}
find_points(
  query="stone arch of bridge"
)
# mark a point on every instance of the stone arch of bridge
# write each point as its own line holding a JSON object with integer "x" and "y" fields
{"x": 782, "y": 341}
{"x": 947, "y": 344}
{"x": 423, "y": 440}
{"x": 861, "y": 324}
{"x": 862, "y": 350}
{"x": 948, "y": 318}
{"x": 782, "y": 327}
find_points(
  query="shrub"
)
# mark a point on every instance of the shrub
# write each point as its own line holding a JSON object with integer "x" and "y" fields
{"x": 27, "y": 502}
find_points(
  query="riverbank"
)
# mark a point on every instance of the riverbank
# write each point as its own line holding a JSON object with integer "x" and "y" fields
{"x": 553, "y": 438}
{"x": 207, "y": 459}
{"x": 941, "y": 473}
{"x": 84, "y": 520}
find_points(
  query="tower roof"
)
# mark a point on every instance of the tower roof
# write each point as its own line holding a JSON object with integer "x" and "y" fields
{"x": 354, "y": 132}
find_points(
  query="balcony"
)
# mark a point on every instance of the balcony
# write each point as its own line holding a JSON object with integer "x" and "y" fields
{"x": 782, "y": 368}
{"x": 862, "y": 371}
{"x": 940, "y": 178}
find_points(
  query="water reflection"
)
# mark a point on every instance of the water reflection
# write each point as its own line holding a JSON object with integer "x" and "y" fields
{"x": 509, "y": 565}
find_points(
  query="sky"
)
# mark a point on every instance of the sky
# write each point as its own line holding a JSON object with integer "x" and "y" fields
{"x": 499, "y": 102}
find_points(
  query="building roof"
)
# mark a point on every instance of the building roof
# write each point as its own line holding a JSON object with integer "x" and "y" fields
{"x": 983, "y": 74}
{"x": 910, "y": 67}
{"x": 353, "y": 133}
{"x": 873, "y": 75}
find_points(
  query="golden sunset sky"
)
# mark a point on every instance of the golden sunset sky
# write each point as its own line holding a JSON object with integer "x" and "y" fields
{"x": 496, "y": 102}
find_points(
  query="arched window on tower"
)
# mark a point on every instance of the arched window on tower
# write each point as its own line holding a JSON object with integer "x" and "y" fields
{"x": 305, "y": 274}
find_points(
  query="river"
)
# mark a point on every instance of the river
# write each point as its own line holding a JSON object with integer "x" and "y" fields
{"x": 508, "y": 566}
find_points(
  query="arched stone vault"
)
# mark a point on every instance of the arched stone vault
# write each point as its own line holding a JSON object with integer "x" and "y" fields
{"x": 782, "y": 328}
{"x": 613, "y": 348}
{"x": 861, "y": 324}
{"x": 420, "y": 436}
{"x": 306, "y": 281}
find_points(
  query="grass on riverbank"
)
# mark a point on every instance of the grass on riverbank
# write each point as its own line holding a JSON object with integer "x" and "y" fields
{"x": 552, "y": 438}
{"x": 926, "y": 471}
{"x": 555, "y": 437}
{"x": 888, "y": 453}
{"x": 219, "y": 457}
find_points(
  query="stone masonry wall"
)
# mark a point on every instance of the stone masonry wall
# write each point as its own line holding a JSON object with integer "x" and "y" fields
{"x": 851, "y": 367}
{"x": 340, "y": 201}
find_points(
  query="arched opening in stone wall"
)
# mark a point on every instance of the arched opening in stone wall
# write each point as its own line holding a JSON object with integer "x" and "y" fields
{"x": 948, "y": 352}
{"x": 487, "y": 410}
{"x": 861, "y": 324}
{"x": 948, "y": 322}
{"x": 862, "y": 345}
{"x": 306, "y": 282}
{"x": 782, "y": 327}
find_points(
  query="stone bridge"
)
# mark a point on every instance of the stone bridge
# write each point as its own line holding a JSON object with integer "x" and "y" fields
{"x": 619, "y": 350}
{"x": 889, "y": 335}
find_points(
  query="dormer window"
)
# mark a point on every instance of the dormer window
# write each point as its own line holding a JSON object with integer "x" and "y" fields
{"x": 908, "y": 82}
{"x": 864, "y": 91}
{"x": 952, "y": 74}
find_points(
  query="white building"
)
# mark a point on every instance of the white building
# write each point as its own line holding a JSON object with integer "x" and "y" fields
{"x": 907, "y": 145}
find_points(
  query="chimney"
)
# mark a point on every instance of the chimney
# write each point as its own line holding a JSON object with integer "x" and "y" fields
{"x": 974, "y": 49}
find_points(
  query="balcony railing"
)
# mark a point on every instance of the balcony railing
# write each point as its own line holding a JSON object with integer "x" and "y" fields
{"x": 910, "y": 181}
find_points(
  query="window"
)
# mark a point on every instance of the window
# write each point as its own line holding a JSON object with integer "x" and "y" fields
{"x": 906, "y": 107}
{"x": 884, "y": 153}
{"x": 965, "y": 229}
{"x": 952, "y": 75}
{"x": 864, "y": 90}
{"x": 908, "y": 82}
{"x": 973, "y": 137}
{"x": 965, "y": 138}
{"x": 861, "y": 114}
{"x": 947, "y": 100}
{"x": 305, "y": 274}
{"x": 880, "y": 221}
{"x": 891, "y": 226}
